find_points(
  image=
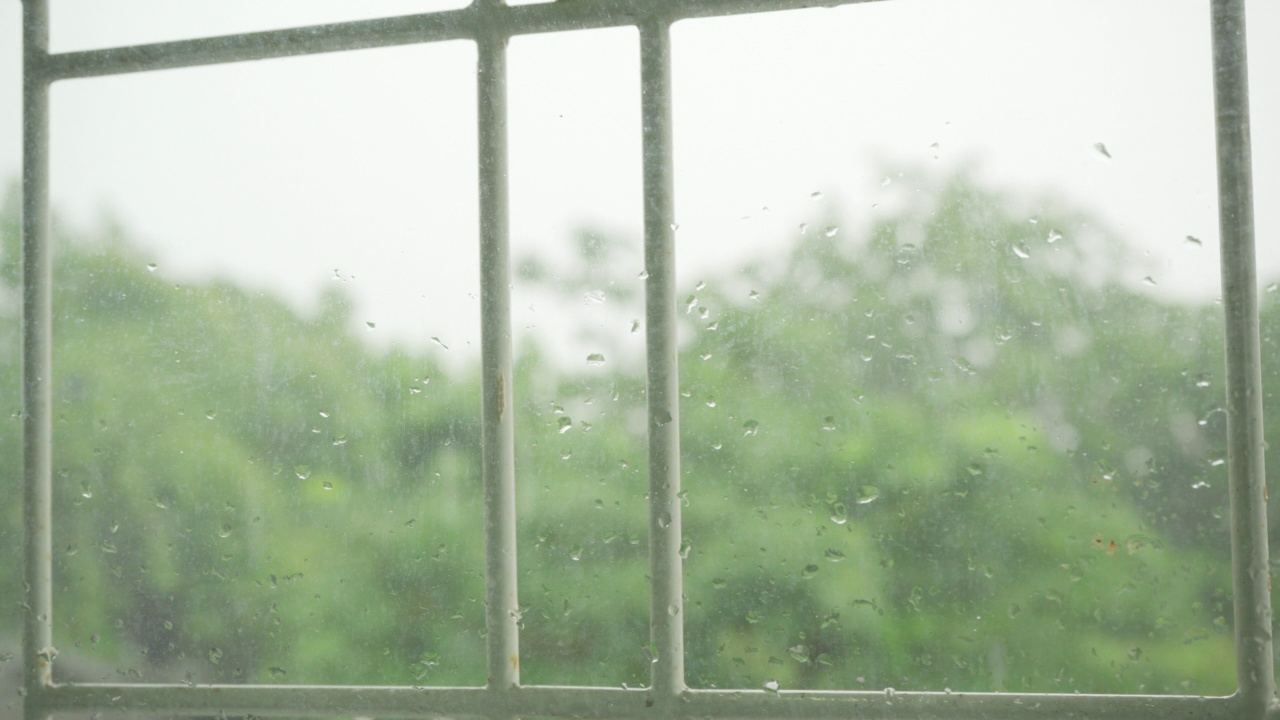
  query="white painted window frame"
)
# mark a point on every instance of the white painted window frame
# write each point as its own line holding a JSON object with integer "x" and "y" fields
{"x": 490, "y": 24}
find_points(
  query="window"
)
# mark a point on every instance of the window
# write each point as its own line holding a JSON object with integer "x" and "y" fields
{"x": 652, "y": 417}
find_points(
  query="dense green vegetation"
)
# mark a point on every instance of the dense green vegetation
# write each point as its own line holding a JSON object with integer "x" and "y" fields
{"x": 953, "y": 451}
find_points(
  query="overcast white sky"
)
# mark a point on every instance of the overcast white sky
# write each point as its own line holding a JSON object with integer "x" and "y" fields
{"x": 358, "y": 168}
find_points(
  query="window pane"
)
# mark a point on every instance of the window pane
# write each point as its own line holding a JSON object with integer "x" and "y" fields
{"x": 939, "y": 433}
{"x": 577, "y": 307}
{"x": 267, "y": 445}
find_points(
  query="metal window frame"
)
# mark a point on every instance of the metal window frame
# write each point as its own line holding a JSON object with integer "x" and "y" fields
{"x": 490, "y": 24}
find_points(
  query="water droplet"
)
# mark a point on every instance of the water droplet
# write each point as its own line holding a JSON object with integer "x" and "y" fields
{"x": 85, "y": 491}
{"x": 673, "y": 610}
{"x": 839, "y": 513}
{"x": 595, "y": 359}
{"x": 719, "y": 583}
{"x": 151, "y": 267}
{"x": 975, "y": 469}
{"x": 833, "y": 555}
{"x": 661, "y": 417}
{"x": 340, "y": 440}
{"x": 1102, "y": 150}
{"x": 439, "y": 342}
{"x": 302, "y": 471}
{"x": 753, "y": 295}
{"x": 1148, "y": 280}
{"x": 804, "y": 228}
{"x": 644, "y": 275}
{"x": 225, "y": 530}
{"x": 277, "y": 672}
{"x": 889, "y": 694}
{"x": 664, "y": 520}
{"x": 1201, "y": 485}
{"x": 327, "y": 485}
{"x": 771, "y": 687}
{"x": 1194, "y": 635}
{"x": 370, "y": 324}
{"x": 575, "y": 554}
{"x": 829, "y": 423}
{"x": 750, "y": 428}
{"x": 1014, "y": 610}
{"x": 686, "y": 547}
{"x": 815, "y": 195}
{"x": 1054, "y": 236}
{"x": 1192, "y": 240}
{"x": 830, "y": 230}
{"x": 1202, "y": 380}
{"x": 635, "y": 326}
{"x": 809, "y": 571}
{"x": 799, "y": 653}
{"x": 886, "y": 181}
{"x": 711, "y": 402}
{"x": 1021, "y": 251}
{"x": 868, "y": 494}
{"x": 651, "y": 653}
{"x": 595, "y": 297}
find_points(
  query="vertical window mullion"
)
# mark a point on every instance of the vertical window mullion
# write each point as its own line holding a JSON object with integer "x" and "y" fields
{"x": 37, "y": 363}
{"x": 1245, "y": 444}
{"x": 666, "y": 624}
{"x": 498, "y": 435}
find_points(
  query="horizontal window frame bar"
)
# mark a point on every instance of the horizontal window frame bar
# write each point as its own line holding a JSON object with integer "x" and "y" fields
{"x": 616, "y": 703}
{"x": 469, "y": 23}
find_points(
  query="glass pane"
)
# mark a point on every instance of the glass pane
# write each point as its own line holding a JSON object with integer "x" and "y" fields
{"x": 267, "y": 435}
{"x": 953, "y": 359}
{"x": 577, "y": 306}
